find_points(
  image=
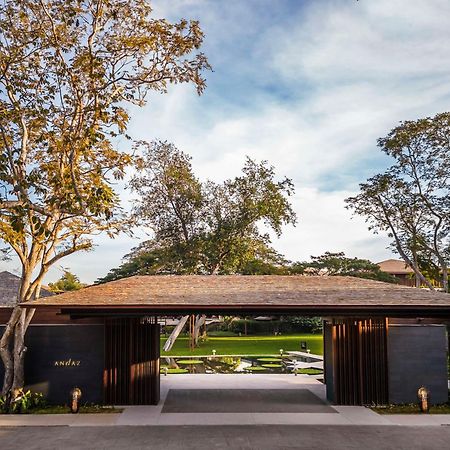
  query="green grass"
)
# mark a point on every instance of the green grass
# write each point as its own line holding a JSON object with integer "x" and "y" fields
{"x": 171, "y": 370}
{"x": 310, "y": 371}
{"x": 411, "y": 409}
{"x": 189, "y": 361}
{"x": 269, "y": 360}
{"x": 272, "y": 366}
{"x": 256, "y": 369}
{"x": 88, "y": 409}
{"x": 246, "y": 345}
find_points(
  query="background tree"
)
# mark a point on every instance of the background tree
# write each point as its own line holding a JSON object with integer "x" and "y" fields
{"x": 67, "y": 70}
{"x": 338, "y": 264}
{"x": 206, "y": 228}
{"x": 67, "y": 282}
{"x": 411, "y": 200}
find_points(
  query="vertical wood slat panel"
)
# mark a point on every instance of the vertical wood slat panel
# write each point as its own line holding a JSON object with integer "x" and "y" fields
{"x": 360, "y": 361}
{"x": 131, "y": 363}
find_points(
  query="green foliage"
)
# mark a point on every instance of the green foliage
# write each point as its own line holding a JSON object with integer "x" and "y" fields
{"x": 205, "y": 227}
{"x": 303, "y": 324}
{"x": 338, "y": 264}
{"x": 284, "y": 325}
{"x": 68, "y": 282}
{"x": 25, "y": 402}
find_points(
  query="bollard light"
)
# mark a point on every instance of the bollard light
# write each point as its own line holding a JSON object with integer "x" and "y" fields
{"x": 75, "y": 396}
{"x": 424, "y": 399}
{"x": 295, "y": 371}
{"x": 281, "y": 352}
{"x": 214, "y": 353}
{"x": 166, "y": 371}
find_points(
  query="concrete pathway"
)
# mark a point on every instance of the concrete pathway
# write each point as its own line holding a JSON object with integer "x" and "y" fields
{"x": 153, "y": 416}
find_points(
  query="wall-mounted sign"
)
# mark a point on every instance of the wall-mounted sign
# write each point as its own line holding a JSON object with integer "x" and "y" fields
{"x": 67, "y": 362}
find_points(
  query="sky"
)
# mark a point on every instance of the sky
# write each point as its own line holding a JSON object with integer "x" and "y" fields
{"x": 308, "y": 86}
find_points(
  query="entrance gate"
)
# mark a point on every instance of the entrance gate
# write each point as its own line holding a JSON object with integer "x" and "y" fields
{"x": 131, "y": 370}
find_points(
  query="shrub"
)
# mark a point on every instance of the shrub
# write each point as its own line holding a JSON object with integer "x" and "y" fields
{"x": 25, "y": 401}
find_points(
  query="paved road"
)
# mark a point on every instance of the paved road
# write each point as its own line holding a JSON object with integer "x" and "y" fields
{"x": 226, "y": 437}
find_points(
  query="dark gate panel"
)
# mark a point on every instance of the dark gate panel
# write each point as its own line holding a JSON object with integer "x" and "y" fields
{"x": 359, "y": 348}
{"x": 131, "y": 374}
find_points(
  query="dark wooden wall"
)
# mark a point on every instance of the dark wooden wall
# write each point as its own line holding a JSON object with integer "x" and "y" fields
{"x": 131, "y": 373}
{"x": 61, "y": 357}
{"x": 357, "y": 366}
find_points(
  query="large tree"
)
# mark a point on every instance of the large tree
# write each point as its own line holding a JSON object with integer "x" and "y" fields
{"x": 411, "y": 200}
{"x": 67, "y": 70}
{"x": 207, "y": 227}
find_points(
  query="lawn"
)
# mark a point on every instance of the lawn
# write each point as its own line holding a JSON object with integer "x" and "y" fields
{"x": 246, "y": 345}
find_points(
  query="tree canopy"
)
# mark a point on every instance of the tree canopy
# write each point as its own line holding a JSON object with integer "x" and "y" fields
{"x": 67, "y": 282}
{"x": 207, "y": 227}
{"x": 338, "y": 264}
{"x": 411, "y": 200}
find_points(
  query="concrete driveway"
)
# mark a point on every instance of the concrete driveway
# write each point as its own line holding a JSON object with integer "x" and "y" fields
{"x": 256, "y": 437}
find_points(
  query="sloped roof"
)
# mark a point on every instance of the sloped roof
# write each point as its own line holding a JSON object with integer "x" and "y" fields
{"x": 395, "y": 267}
{"x": 265, "y": 293}
{"x": 9, "y": 288}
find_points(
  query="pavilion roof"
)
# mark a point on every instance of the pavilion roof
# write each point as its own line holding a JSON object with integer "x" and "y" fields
{"x": 258, "y": 293}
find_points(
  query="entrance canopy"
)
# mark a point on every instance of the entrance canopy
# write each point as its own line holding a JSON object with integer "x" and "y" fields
{"x": 250, "y": 294}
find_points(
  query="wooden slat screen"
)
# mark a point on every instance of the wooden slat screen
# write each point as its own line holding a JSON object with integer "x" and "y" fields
{"x": 360, "y": 361}
{"x": 131, "y": 373}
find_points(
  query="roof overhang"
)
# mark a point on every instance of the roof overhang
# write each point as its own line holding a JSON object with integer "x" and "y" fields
{"x": 248, "y": 295}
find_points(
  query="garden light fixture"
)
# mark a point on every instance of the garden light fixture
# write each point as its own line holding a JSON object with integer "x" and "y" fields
{"x": 75, "y": 395}
{"x": 424, "y": 395}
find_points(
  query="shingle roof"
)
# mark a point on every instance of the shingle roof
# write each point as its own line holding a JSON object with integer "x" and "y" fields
{"x": 266, "y": 292}
{"x": 9, "y": 288}
{"x": 395, "y": 267}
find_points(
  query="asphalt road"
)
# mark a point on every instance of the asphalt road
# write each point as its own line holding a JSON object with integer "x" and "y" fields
{"x": 226, "y": 437}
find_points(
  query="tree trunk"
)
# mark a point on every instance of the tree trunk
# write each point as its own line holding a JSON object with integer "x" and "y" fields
{"x": 414, "y": 267}
{"x": 6, "y": 350}
{"x": 199, "y": 321}
{"x": 175, "y": 333}
{"x": 445, "y": 278}
{"x": 13, "y": 350}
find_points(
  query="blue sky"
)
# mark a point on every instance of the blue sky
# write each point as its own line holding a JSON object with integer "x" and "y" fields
{"x": 307, "y": 85}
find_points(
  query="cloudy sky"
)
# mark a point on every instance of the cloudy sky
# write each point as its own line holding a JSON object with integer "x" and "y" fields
{"x": 309, "y": 86}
